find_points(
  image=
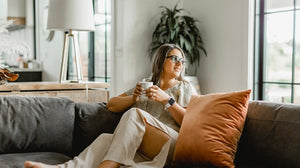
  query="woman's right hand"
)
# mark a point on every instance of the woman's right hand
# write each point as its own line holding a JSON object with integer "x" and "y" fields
{"x": 138, "y": 91}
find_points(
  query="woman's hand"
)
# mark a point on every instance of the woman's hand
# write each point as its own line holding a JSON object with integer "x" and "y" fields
{"x": 155, "y": 93}
{"x": 138, "y": 91}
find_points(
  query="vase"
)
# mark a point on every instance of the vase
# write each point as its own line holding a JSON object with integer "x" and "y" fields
{"x": 194, "y": 81}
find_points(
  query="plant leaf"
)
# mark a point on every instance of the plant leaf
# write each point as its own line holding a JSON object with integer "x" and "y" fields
{"x": 178, "y": 29}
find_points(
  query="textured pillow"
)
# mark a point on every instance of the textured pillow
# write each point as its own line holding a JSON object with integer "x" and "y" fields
{"x": 31, "y": 124}
{"x": 211, "y": 129}
{"x": 91, "y": 120}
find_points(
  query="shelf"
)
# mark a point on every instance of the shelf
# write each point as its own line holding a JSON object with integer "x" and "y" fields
{"x": 19, "y": 23}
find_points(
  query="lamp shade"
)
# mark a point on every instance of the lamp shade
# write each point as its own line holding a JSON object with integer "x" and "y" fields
{"x": 71, "y": 14}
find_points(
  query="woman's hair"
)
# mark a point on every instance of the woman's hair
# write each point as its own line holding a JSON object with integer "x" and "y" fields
{"x": 159, "y": 60}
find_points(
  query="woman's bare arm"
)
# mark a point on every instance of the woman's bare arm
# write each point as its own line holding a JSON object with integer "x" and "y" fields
{"x": 122, "y": 102}
{"x": 119, "y": 103}
{"x": 155, "y": 93}
{"x": 177, "y": 112}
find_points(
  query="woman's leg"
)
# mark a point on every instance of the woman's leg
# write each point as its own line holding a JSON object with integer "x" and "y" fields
{"x": 29, "y": 164}
{"x": 91, "y": 157}
{"x": 109, "y": 164}
{"x": 117, "y": 148}
{"x": 157, "y": 128}
{"x": 126, "y": 139}
{"x": 153, "y": 141}
{"x": 129, "y": 135}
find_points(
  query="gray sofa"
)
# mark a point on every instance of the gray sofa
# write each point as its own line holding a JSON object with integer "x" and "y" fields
{"x": 47, "y": 129}
{"x": 53, "y": 130}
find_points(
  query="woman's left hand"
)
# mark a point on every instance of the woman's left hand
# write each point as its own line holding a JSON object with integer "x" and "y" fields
{"x": 156, "y": 94}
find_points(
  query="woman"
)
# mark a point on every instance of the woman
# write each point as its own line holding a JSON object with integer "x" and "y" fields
{"x": 146, "y": 135}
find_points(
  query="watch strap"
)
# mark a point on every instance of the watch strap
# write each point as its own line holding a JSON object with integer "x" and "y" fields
{"x": 170, "y": 103}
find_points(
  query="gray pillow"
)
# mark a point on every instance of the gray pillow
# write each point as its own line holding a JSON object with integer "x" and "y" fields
{"x": 30, "y": 124}
{"x": 92, "y": 119}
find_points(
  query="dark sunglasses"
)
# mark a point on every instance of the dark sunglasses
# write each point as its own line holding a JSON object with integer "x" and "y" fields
{"x": 176, "y": 59}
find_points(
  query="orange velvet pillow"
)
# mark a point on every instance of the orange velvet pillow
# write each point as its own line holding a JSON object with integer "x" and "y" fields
{"x": 211, "y": 129}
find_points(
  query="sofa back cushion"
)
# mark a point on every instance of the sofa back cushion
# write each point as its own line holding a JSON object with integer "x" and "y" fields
{"x": 92, "y": 119}
{"x": 29, "y": 124}
{"x": 271, "y": 136}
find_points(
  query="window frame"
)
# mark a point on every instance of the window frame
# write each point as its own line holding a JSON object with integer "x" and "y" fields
{"x": 259, "y": 50}
{"x": 92, "y": 51}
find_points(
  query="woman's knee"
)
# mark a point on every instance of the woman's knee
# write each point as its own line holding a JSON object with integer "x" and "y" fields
{"x": 131, "y": 113}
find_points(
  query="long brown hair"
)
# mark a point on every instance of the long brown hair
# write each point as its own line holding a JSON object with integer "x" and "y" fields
{"x": 159, "y": 60}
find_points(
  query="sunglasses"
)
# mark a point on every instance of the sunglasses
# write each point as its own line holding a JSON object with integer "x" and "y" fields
{"x": 176, "y": 59}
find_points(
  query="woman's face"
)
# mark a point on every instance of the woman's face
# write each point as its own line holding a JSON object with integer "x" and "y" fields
{"x": 173, "y": 64}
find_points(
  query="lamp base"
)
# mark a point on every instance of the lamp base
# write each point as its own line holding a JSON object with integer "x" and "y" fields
{"x": 76, "y": 58}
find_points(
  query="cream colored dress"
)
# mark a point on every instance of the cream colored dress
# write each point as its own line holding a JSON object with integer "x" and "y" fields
{"x": 122, "y": 145}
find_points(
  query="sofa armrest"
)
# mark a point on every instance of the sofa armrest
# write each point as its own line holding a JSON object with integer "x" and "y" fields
{"x": 91, "y": 120}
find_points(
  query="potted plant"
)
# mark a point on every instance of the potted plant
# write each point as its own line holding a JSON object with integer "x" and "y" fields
{"x": 182, "y": 30}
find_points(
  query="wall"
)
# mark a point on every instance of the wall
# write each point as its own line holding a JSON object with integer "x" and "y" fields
{"x": 16, "y": 8}
{"x": 224, "y": 27}
{"x": 49, "y": 53}
{"x": 135, "y": 21}
{"x": 3, "y": 9}
{"x": 225, "y": 31}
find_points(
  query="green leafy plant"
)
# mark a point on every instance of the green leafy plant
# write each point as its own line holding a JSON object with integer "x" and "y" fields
{"x": 181, "y": 30}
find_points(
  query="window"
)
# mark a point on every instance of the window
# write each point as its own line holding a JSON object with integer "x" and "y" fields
{"x": 277, "y": 51}
{"x": 95, "y": 47}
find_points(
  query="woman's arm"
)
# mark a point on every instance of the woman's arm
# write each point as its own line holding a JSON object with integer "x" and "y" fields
{"x": 177, "y": 112}
{"x": 119, "y": 103}
{"x": 123, "y": 101}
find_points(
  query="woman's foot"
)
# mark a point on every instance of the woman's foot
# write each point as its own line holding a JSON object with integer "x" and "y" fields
{"x": 29, "y": 164}
{"x": 109, "y": 164}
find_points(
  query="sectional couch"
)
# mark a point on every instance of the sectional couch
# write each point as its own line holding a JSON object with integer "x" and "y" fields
{"x": 53, "y": 130}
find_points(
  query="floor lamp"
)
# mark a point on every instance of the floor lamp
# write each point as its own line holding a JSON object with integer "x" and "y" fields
{"x": 71, "y": 15}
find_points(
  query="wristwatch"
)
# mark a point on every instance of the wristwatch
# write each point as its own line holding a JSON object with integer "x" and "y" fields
{"x": 170, "y": 103}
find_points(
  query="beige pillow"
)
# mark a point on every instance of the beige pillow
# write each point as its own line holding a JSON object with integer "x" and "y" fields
{"x": 211, "y": 129}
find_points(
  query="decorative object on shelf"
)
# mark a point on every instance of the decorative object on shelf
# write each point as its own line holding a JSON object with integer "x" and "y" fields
{"x": 194, "y": 81}
{"x": 18, "y": 23}
{"x": 64, "y": 15}
{"x": 181, "y": 30}
{"x": 5, "y": 74}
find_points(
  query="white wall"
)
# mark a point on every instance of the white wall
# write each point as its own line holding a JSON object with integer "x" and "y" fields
{"x": 135, "y": 21}
{"x": 16, "y": 8}
{"x": 224, "y": 27}
{"x": 3, "y": 9}
{"x": 49, "y": 53}
{"x": 225, "y": 31}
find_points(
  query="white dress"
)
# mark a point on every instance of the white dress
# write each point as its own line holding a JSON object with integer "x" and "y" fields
{"x": 122, "y": 145}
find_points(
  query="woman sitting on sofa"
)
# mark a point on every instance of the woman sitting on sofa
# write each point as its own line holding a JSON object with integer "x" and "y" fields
{"x": 146, "y": 135}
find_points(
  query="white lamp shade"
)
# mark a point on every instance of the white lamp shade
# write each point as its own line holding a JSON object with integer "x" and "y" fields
{"x": 71, "y": 14}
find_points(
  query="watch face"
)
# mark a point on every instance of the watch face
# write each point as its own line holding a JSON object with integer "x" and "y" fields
{"x": 171, "y": 101}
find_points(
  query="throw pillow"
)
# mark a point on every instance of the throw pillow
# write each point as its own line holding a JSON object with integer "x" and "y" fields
{"x": 150, "y": 146}
{"x": 211, "y": 129}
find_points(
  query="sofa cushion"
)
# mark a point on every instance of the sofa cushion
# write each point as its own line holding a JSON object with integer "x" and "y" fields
{"x": 271, "y": 136}
{"x": 211, "y": 129}
{"x": 29, "y": 124}
{"x": 16, "y": 160}
{"x": 92, "y": 119}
